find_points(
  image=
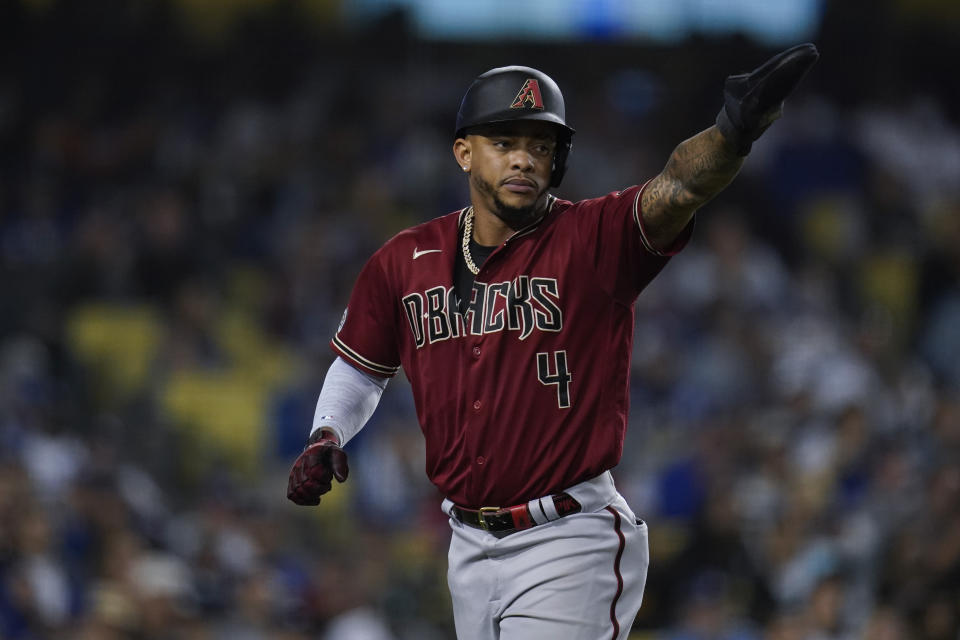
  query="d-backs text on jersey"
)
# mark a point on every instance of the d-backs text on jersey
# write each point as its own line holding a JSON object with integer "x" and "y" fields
{"x": 521, "y": 305}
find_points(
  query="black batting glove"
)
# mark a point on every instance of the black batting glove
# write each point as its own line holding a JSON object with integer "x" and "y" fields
{"x": 314, "y": 470}
{"x": 752, "y": 101}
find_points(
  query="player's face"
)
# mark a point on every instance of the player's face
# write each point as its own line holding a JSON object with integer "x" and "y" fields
{"x": 510, "y": 166}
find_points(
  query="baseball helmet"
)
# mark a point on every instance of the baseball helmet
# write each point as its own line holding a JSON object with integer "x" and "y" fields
{"x": 512, "y": 93}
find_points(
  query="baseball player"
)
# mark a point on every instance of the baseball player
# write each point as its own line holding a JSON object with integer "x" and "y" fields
{"x": 513, "y": 320}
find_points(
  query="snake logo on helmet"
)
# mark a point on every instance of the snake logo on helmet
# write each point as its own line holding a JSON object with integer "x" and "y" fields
{"x": 512, "y": 93}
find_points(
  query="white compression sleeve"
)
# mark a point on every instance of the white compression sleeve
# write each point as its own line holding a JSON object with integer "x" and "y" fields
{"x": 347, "y": 400}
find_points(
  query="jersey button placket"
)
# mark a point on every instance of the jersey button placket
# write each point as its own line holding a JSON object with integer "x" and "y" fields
{"x": 476, "y": 405}
{"x": 476, "y": 351}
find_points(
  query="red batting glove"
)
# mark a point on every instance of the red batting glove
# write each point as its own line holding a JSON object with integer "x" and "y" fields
{"x": 314, "y": 470}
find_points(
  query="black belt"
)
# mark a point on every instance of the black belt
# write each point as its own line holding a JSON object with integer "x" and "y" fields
{"x": 510, "y": 519}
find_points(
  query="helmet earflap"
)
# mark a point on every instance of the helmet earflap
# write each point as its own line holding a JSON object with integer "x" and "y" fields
{"x": 560, "y": 155}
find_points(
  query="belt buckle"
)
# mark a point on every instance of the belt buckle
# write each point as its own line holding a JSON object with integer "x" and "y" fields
{"x": 483, "y": 522}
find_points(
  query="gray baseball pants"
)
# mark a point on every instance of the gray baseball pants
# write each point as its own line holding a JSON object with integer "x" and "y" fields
{"x": 580, "y": 577}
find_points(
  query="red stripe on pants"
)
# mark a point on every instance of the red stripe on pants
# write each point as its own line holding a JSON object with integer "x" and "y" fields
{"x": 616, "y": 570}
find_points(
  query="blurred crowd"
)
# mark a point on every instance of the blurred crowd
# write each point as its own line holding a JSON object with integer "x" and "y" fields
{"x": 182, "y": 219}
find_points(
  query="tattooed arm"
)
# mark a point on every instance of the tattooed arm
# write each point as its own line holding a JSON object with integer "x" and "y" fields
{"x": 698, "y": 169}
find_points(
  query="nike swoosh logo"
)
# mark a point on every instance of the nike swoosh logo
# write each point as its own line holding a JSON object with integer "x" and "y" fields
{"x": 417, "y": 254}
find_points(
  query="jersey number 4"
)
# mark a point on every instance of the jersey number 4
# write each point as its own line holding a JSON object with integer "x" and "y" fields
{"x": 560, "y": 375}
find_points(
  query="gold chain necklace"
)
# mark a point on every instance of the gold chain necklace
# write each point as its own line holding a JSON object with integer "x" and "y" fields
{"x": 467, "y": 234}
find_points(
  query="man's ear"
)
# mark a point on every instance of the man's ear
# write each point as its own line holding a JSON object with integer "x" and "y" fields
{"x": 461, "y": 153}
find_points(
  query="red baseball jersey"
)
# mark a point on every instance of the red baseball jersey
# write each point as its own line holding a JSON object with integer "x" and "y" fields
{"x": 526, "y": 392}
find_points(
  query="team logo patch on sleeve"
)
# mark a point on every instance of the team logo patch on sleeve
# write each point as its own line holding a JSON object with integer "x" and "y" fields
{"x": 528, "y": 96}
